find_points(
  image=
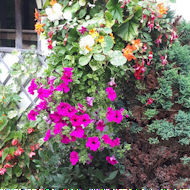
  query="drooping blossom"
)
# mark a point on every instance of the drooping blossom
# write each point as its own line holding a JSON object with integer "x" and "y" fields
{"x": 93, "y": 143}
{"x": 159, "y": 40}
{"x": 2, "y": 171}
{"x": 18, "y": 152}
{"x": 112, "y": 83}
{"x": 47, "y": 135}
{"x": 78, "y": 132}
{"x": 33, "y": 86}
{"x": 111, "y": 93}
{"x": 74, "y": 158}
{"x": 65, "y": 139}
{"x": 164, "y": 60}
{"x": 83, "y": 30}
{"x": 14, "y": 142}
{"x": 100, "y": 125}
{"x": 111, "y": 160}
{"x": 32, "y": 115}
{"x": 89, "y": 101}
{"x": 9, "y": 157}
{"x": 150, "y": 101}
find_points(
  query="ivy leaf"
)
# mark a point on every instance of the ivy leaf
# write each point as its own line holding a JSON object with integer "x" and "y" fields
{"x": 107, "y": 44}
{"x": 84, "y": 60}
{"x": 128, "y": 31}
{"x": 114, "y": 7}
{"x": 117, "y": 58}
{"x": 99, "y": 57}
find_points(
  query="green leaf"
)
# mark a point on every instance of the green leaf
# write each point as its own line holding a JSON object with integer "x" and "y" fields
{"x": 3, "y": 122}
{"x": 114, "y": 7}
{"x": 111, "y": 176}
{"x": 9, "y": 172}
{"x": 82, "y": 13}
{"x": 173, "y": 1}
{"x": 128, "y": 31}
{"x": 94, "y": 66}
{"x": 84, "y": 60}
{"x": 99, "y": 57}
{"x": 5, "y": 153}
{"x": 117, "y": 58}
{"x": 18, "y": 171}
{"x": 109, "y": 19}
{"x": 107, "y": 44}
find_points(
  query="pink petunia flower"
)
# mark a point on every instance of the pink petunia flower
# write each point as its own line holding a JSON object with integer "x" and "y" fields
{"x": 57, "y": 128}
{"x": 75, "y": 120}
{"x": 111, "y": 93}
{"x": 65, "y": 139}
{"x": 100, "y": 125}
{"x": 110, "y": 114}
{"x": 85, "y": 120}
{"x": 42, "y": 105}
{"x": 83, "y": 30}
{"x": 33, "y": 86}
{"x": 118, "y": 117}
{"x": 78, "y": 132}
{"x": 81, "y": 108}
{"x": 106, "y": 139}
{"x": 48, "y": 135}
{"x": 32, "y": 115}
{"x": 44, "y": 93}
{"x": 111, "y": 160}
{"x": 62, "y": 108}
{"x": 74, "y": 158}
{"x": 89, "y": 101}
{"x": 115, "y": 142}
{"x": 55, "y": 117}
{"x": 93, "y": 143}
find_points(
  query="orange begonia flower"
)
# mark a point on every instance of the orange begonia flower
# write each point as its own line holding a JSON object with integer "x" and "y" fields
{"x": 37, "y": 15}
{"x": 161, "y": 9}
{"x": 93, "y": 33}
{"x": 128, "y": 52}
{"x": 52, "y": 2}
{"x": 39, "y": 27}
{"x": 136, "y": 44}
{"x": 100, "y": 39}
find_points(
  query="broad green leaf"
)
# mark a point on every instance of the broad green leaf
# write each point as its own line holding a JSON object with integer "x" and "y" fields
{"x": 111, "y": 176}
{"x": 114, "y": 7}
{"x": 75, "y": 7}
{"x": 84, "y": 60}
{"x": 82, "y": 13}
{"x": 99, "y": 57}
{"x": 117, "y": 58}
{"x": 82, "y": 2}
{"x": 5, "y": 153}
{"x": 9, "y": 172}
{"x": 94, "y": 65}
{"x": 109, "y": 19}
{"x": 3, "y": 122}
{"x": 107, "y": 44}
{"x": 18, "y": 171}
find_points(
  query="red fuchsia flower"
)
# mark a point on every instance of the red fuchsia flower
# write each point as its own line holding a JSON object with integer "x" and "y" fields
{"x": 111, "y": 93}
{"x": 44, "y": 93}
{"x": 62, "y": 108}
{"x": 100, "y": 125}
{"x": 75, "y": 120}
{"x": 74, "y": 158}
{"x": 164, "y": 60}
{"x": 157, "y": 26}
{"x": 112, "y": 83}
{"x": 83, "y": 30}
{"x": 93, "y": 143}
{"x": 78, "y": 132}
{"x": 57, "y": 128}
{"x": 31, "y": 154}
{"x": 150, "y": 25}
{"x": 81, "y": 108}
{"x": 30, "y": 130}
{"x": 14, "y": 142}
{"x": 32, "y": 115}
{"x": 42, "y": 105}
{"x": 2, "y": 171}
{"x": 48, "y": 135}
{"x": 125, "y": 3}
{"x": 33, "y": 86}
{"x": 90, "y": 159}
{"x": 89, "y": 101}
{"x": 159, "y": 40}
{"x": 9, "y": 157}
{"x": 32, "y": 147}
{"x": 174, "y": 36}
{"x": 18, "y": 152}
{"x": 111, "y": 160}
{"x": 106, "y": 139}
{"x": 7, "y": 165}
{"x": 150, "y": 101}
{"x": 85, "y": 120}
{"x": 150, "y": 57}
{"x": 144, "y": 47}
{"x": 65, "y": 139}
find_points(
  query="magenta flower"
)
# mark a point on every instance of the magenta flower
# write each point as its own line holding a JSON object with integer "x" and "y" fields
{"x": 71, "y": 111}
{"x": 42, "y": 105}
{"x": 118, "y": 117}
{"x": 75, "y": 120}
{"x": 110, "y": 114}
{"x": 44, "y": 93}
{"x": 93, "y": 143}
{"x": 48, "y": 135}
{"x": 115, "y": 142}
{"x": 65, "y": 139}
{"x": 111, "y": 93}
{"x": 111, "y": 160}
{"x": 81, "y": 108}
{"x": 62, "y": 87}
{"x": 78, "y": 132}
{"x": 83, "y": 30}
{"x": 106, "y": 139}
{"x": 67, "y": 75}
{"x": 57, "y": 128}
{"x": 62, "y": 108}
{"x": 33, "y": 86}
{"x": 89, "y": 101}
{"x": 90, "y": 159}
{"x": 55, "y": 117}
{"x": 85, "y": 120}
{"x": 32, "y": 115}
{"x": 74, "y": 158}
{"x": 100, "y": 125}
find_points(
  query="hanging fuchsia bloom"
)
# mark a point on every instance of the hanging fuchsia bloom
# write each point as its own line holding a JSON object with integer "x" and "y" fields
{"x": 106, "y": 139}
{"x": 111, "y": 93}
{"x": 111, "y": 160}
{"x": 125, "y": 3}
{"x": 90, "y": 159}
{"x": 164, "y": 60}
{"x": 65, "y": 139}
{"x": 83, "y": 30}
{"x": 89, "y": 101}
{"x": 85, "y": 120}
{"x": 44, "y": 93}
{"x": 78, "y": 132}
{"x": 62, "y": 108}
{"x": 33, "y": 86}
{"x": 112, "y": 83}
{"x": 32, "y": 115}
{"x": 48, "y": 135}
{"x": 93, "y": 143}
{"x": 74, "y": 158}
{"x": 57, "y": 128}
{"x": 159, "y": 40}
{"x": 100, "y": 125}
{"x": 42, "y": 105}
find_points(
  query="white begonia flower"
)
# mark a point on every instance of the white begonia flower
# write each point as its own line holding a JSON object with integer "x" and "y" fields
{"x": 67, "y": 15}
{"x": 85, "y": 43}
{"x": 54, "y": 13}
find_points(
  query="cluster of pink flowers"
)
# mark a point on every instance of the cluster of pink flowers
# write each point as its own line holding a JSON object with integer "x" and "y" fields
{"x": 74, "y": 118}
